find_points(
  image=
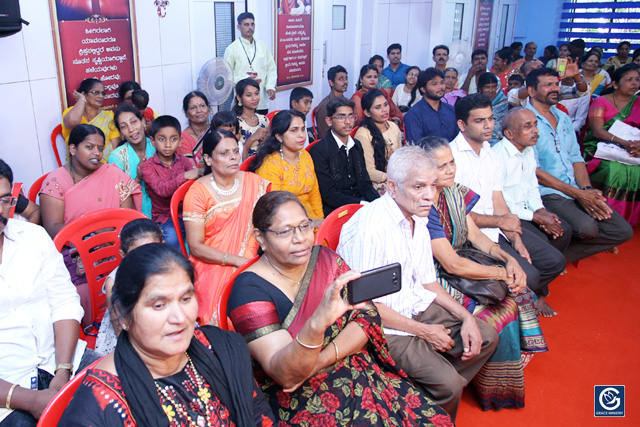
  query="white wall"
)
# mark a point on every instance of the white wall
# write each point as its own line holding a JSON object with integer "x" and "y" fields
{"x": 173, "y": 49}
{"x": 29, "y": 96}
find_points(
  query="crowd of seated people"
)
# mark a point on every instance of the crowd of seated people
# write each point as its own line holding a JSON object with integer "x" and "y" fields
{"x": 508, "y": 162}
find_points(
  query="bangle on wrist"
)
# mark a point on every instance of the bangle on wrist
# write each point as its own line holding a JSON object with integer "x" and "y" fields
{"x": 8, "y": 402}
{"x": 225, "y": 258}
{"x": 336, "y": 347}
{"x": 311, "y": 347}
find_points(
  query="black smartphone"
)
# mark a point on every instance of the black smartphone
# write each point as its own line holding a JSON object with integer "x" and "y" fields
{"x": 375, "y": 283}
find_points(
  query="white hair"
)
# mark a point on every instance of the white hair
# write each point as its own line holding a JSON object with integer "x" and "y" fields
{"x": 406, "y": 159}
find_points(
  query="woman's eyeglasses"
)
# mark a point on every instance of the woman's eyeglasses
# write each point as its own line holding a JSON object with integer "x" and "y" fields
{"x": 303, "y": 228}
{"x": 97, "y": 92}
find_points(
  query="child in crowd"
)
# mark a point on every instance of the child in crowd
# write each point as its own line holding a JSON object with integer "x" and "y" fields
{"x": 226, "y": 120}
{"x": 515, "y": 82}
{"x": 140, "y": 99}
{"x": 300, "y": 100}
{"x": 165, "y": 172}
{"x": 134, "y": 234}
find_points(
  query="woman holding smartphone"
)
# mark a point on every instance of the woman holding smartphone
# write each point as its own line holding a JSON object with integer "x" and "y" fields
{"x": 308, "y": 342}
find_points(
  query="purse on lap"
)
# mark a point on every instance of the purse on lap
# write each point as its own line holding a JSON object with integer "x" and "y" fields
{"x": 483, "y": 291}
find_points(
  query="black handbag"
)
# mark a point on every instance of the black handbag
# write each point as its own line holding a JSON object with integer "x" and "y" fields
{"x": 483, "y": 291}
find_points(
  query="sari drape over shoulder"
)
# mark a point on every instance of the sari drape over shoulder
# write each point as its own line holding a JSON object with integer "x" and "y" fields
{"x": 363, "y": 389}
{"x": 619, "y": 183}
{"x": 192, "y": 149}
{"x": 105, "y": 188}
{"x": 228, "y": 228}
{"x": 500, "y": 382}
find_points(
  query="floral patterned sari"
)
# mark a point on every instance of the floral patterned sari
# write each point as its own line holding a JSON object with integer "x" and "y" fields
{"x": 363, "y": 389}
{"x": 500, "y": 382}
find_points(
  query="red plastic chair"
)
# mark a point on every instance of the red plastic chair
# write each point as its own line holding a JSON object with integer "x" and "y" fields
{"x": 35, "y": 188}
{"x": 311, "y": 145}
{"x": 223, "y": 295}
{"x": 272, "y": 114}
{"x": 244, "y": 166}
{"x": 353, "y": 132}
{"x": 98, "y": 251}
{"x": 329, "y": 232}
{"x": 174, "y": 208}
{"x": 54, "y": 142}
{"x": 53, "y": 412}
{"x": 313, "y": 123}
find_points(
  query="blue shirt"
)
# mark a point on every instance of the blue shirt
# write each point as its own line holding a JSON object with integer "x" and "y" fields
{"x": 396, "y": 76}
{"x": 556, "y": 151}
{"x": 422, "y": 120}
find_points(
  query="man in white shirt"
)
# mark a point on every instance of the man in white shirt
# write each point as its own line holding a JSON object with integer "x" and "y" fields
{"x": 251, "y": 58}
{"x": 478, "y": 168}
{"x": 518, "y": 166}
{"x": 441, "y": 346}
{"x": 39, "y": 318}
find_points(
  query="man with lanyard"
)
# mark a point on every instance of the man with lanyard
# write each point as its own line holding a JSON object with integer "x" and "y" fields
{"x": 251, "y": 58}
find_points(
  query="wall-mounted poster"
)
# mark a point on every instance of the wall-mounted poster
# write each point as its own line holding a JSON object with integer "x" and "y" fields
{"x": 94, "y": 39}
{"x": 294, "y": 42}
{"x": 484, "y": 16}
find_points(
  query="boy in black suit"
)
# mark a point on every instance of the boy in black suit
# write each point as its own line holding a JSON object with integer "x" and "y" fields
{"x": 339, "y": 162}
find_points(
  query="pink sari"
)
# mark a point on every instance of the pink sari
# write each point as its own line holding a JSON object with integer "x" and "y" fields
{"x": 105, "y": 188}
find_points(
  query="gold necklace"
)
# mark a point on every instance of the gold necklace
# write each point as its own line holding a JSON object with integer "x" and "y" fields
{"x": 278, "y": 271}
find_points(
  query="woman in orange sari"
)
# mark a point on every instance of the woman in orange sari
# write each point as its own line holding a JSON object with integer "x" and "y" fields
{"x": 217, "y": 219}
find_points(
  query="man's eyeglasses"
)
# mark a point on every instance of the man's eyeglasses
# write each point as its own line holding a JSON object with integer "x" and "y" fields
{"x": 8, "y": 201}
{"x": 343, "y": 117}
{"x": 303, "y": 228}
{"x": 97, "y": 92}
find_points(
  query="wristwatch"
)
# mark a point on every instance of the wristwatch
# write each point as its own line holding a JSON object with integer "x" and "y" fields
{"x": 67, "y": 366}
{"x": 588, "y": 187}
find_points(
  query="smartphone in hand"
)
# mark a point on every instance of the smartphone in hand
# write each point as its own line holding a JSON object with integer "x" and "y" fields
{"x": 562, "y": 67}
{"x": 375, "y": 283}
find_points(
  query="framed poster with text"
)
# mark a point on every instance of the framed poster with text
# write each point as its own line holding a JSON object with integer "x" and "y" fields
{"x": 293, "y": 43}
{"x": 484, "y": 15}
{"x": 94, "y": 39}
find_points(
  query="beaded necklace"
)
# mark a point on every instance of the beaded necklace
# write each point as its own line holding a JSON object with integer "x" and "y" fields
{"x": 203, "y": 393}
